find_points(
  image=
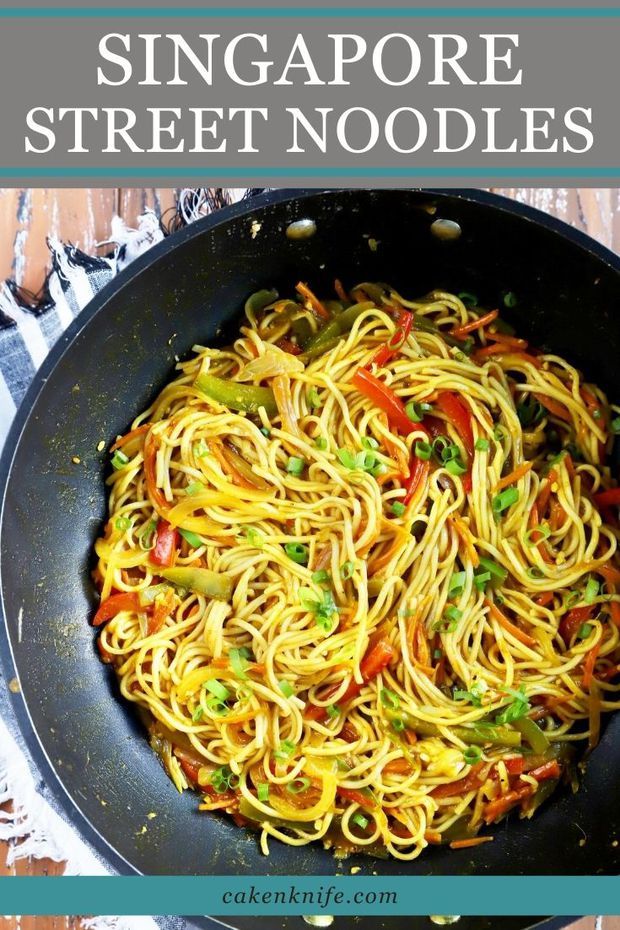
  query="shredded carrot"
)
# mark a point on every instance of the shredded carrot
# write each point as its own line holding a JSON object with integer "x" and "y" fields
{"x": 419, "y": 648}
{"x": 588, "y": 666}
{"x": 615, "y": 613}
{"x": 557, "y": 517}
{"x": 514, "y": 476}
{"x": 394, "y": 450}
{"x": 543, "y": 599}
{"x": 314, "y": 301}
{"x": 132, "y": 434}
{"x": 340, "y": 291}
{"x": 379, "y": 562}
{"x": 433, "y": 837}
{"x": 466, "y": 538}
{"x": 150, "y": 459}
{"x": 545, "y": 493}
{"x": 555, "y": 407}
{"x": 509, "y": 355}
{"x": 474, "y": 841}
{"x": 461, "y": 331}
{"x": 503, "y": 621}
{"x": 397, "y": 767}
{"x": 235, "y": 466}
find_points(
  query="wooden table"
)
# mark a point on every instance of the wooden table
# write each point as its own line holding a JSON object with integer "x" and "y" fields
{"x": 83, "y": 217}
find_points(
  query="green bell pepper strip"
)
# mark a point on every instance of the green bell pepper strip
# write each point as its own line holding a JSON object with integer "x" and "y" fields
{"x": 247, "y": 397}
{"x": 336, "y": 327}
{"x": 476, "y": 734}
{"x": 532, "y": 734}
{"x": 200, "y": 580}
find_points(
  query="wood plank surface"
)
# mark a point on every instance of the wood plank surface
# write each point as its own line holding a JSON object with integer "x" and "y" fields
{"x": 83, "y": 216}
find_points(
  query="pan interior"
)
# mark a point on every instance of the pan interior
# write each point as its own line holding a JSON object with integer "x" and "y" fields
{"x": 190, "y": 290}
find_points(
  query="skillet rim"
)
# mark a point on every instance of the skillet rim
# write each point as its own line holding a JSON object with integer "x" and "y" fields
{"x": 88, "y": 832}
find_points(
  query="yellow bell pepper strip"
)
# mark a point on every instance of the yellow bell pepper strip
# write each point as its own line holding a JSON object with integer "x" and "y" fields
{"x": 200, "y": 580}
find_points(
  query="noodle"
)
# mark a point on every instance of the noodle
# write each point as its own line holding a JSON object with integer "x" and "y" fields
{"x": 361, "y": 574}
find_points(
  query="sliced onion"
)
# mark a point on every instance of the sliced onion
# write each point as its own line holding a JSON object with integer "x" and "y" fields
{"x": 273, "y": 362}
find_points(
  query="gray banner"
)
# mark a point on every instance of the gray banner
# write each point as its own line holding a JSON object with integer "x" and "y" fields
{"x": 185, "y": 100}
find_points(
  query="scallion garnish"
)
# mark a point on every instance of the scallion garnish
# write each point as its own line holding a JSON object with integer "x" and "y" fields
{"x": 455, "y": 467}
{"x": 262, "y": 791}
{"x": 321, "y": 576}
{"x": 314, "y": 398}
{"x": 543, "y": 530}
{"x": 297, "y": 552}
{"x": 472, "y": 754}
{"x": 254, "y": 537}
{"x": 584, "y": 630}
{"x": 118, "y": 460}
{"x": 217, "y": 689}
{"x": 146, "y": 536}
{"x": 423, "y": 450}
{"x": 346, "y": 570}
{"x": 457, "y": 583}
{"x": 518, "y": 707}
{"x": 359, "y": 820}
{"x": 285, "y": 750}
{"x": 321, "y": 443}
{"x": 239, "y": 662}
{"x": 295, "y": 465}
{"x": 615, "y": 426}
{"x": 333, "y": 710}
{"x": 470, "y": 300}
{"x": 122, "y": 524}
{"x": 196, "y": 487}
{"x": 298, "y": 785}
{"x": 510, "y": 299}
{"x": 389, "y": 698}
{"x": 504, "y": 500}
{"x": 369, "y": 442}
{"x": 482, "y": 445}
{"x": 201, "y": 449}
{"x": 286, "y": 688}
{"x": 224, "y": 780}
{"x": 398, "y": 508}
{"x": 398, "y": 724}
{"x": 591, "y": 591}
{"x": 198, "y": 714}
{"x": 497, "y": 571}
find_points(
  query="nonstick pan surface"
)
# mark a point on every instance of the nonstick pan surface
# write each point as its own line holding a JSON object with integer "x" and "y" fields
{"x": 120, "y": 351}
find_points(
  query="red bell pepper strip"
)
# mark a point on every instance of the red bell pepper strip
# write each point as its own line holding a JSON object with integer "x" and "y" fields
{"x": 460, "y": 332}
{"x": 460, "y": 417}
{"x": 377, "y": 656}
{"x": 608, "y": 498}
{"x": 288, "y": 346}
{"x": 418, "y": 474}
{"x": 395, "y": 343}
{"x": 126, "y": 600}
{"x": 167, "y": 540}
{"x": 384, "y": 398}
{"x": 572, "y": 621}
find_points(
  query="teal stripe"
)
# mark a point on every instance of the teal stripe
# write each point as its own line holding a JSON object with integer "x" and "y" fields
{"x": 251, "y": 175}
{"x": 311, "y": 12}
{"x": 470, "y": 895}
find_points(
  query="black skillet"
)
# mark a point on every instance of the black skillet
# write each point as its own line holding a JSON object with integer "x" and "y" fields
{"x": 108, "y": 366}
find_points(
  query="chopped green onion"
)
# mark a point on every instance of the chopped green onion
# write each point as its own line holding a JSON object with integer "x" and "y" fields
{"x": 369, "y": 442}
{"x": 217, "y": 707}
{"x": 223, "y": 779}
{"x": 482, "y": 445}
{"x": 192, "y": 538}
{"x": 510, "y": 299}
{"x": 543, "y": 529}
{"x": 389, "y": 698}
{"x": 366, "y": 461}
{"x": 498, "y": 432}
{"x": 445, "y": 626}
{"x": 592, "y": 589}
{"x": 323, "y": 609}
{"x": 254, "y": 537}
{"x": 198, "y": 713}
{"x": 346, "y": 457}
{"x": 320, "y": 577}
{"x": 321, "y": 443}
{"x": 333, "y": 710}
{"x": 265, "y": 431}
{"x": 437, "y": 653}
{"x": 297, "y": 552}
{"x": 497, "y": 571}
{"x": 455, "y": 467}
{"x": 295, "y": 465}
{"x": 535, "y": 572}
{"x": 346, "y": 570}
{"x": 615, "y": 426}
{"x": 415, "y": 411}
{"x": 122, "y": 524}
{"x": 423, "y": 450}
{"x": 398, "y": 508}
{"x": 584, "y": 630}
{"x": 398, "y": 724}
{"x": 439, "y": 444}
{"x": 457, "y": 583}
{"x": 359, "y": 820}
{"x": 217, "y": 689}
{"x": 530, "y": 412}
{"x": 196, "y": 487}
{"x": 472, "y": 754}
{"x": 146, "y": 536}
{"x": 298, "y": 785}
{"x": 518, "y": 707}
{"x": 286, "y": 688}
{"x": 481, "y": 579}
{"x": 314, "y": 398}
{"x": 474, "y": 695}
{"x": 453, "y": 614}
{"x": 201, "y": 449}
{"x": 118, "y": 460}
{"x": 504, "y": 500}
{"x": 571, "y": 599}
{"x": 470, "y": 300}
{"x": 284, "y": 750}
{"x": 450, "y": 452}
{"x": 262, "y": 791}
{"x": 238, "y": 662}
{"x": 597, "y": 414}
